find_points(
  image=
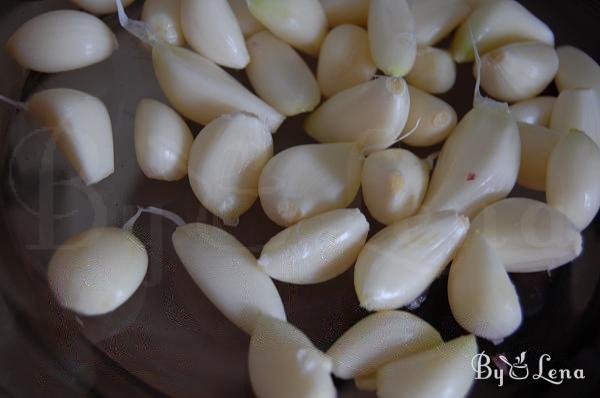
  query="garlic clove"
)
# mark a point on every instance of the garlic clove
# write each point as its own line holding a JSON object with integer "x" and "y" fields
{"x": 164, "y": 19}
{"x": 435, "y": 19}
{"x": 248, "y": 24}
{"x": 529, "y": 235}
{"x": 442, "y": 371}
{"x": 316, "y": 249}
{"x": 577, "y": 70}
{"x": 307, "y": 180}
{"x": 345, "y": 60}
{"x": 496, "y": 24}
{"x": 366, "y": 383}
{"x": 60, "y": 41}
{"x": 537, "y": 142}
{"x": 534, "y": 111}
{"x": 283, "y": 362}
{"x": 339, "y": 12}
{"x": 372, "y": 114}
{"x": 577, "y": 109}
{"x": 394, "y": 183}
{"x": 225, "y": 163}
{"x": 392, "y": 36}
{"x": 482, "y": 297}
{"x": 378, "y": 339}
{"x": 96, "y": 271}
{"x": 202, "y": 91}
{"x": 303, "y": 24}
{"x": 162, "y": 141}
{"x": 227, "y": 274}
{"x": 81, "y": 127}
{"x": 100, "y": 7}
{"x": 573, "y": 180}
{"x": 434, "y": 70}
{"x": 280, "y": 76}
{"x": 402, "y": 260}
{"x": 478, "y": 3}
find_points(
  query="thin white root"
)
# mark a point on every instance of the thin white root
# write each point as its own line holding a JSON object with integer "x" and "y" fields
{"x": 169, "y": 215}
{"x": 139, "y": 29}
{"x": 16, "y": 104}
{"x": 366, "y": 150}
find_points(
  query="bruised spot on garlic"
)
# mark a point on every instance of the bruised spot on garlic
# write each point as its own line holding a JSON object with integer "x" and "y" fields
{"x": 537, "y": 143}
{"x": 435, "y": 19}
{"x": 577, "y": 109}
{"x": 164, "y": 19}
{"x": 536, "y": 110}
{"x": 340, "y": 12}
{"x": 434, "y": 71}
{"x": 248, "y": 23}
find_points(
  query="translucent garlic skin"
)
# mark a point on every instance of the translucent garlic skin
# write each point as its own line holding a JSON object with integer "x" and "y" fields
{"x": 379, "y": 339}
{"x": 340, "y": 12}
{"x": 227, "y": 274}
{"x": 577, "y": 70}
{"x": 316, "y": 249}
{"x": 435, "y": 19}
{"x": 101, "y": 6}
{"x": 164, "y": 19}
{"x": 60, "y": 41}
{"x": 225, "y": 163}
{"x": 283, "y": 362}
{"x": 81, "y": 127}
{"x": 573, "y": 179}
{"x": 577, "y": 109}
{"x": 96, "y": 271}
{"x": 307, "y": 180}
{"x": 248, "y": 24}
{"x": 434, "y": 70}
{"x": 402, "y": 260}
{"x": 529, "y": 235}
{"x": 537, "y": 143}
{"x": 536, "y": 110}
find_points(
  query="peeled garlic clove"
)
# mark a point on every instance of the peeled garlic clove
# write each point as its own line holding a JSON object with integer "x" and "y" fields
{"x": 482, "y": 297}
{"x": 248, "y": 24}
{"x": 372, "y": 114}
{"x": 164, "y": 19}
{"x": 392, "y": 36}
{"x": 534, "y": 111}
{"x": 579, "y": 110}
{"x": 100, "y": 6}
{"x": 402, "y": 260}
{"x": 316, "y": 249}
{"x": 378, "y": 339}
{"x": 366, "y": 383}
{"x": 435, "y": 19}
{"x": 394, "y": 183}
{"x": 227, "y": 274}
{"x": 478, "y": 3}
{"x": 96, "y": 271}
{"x": 202, "y": 91}
{"x": 60, "y": 41}
{"x": 225, "y": 163}
{"x": 302, "y": 24}
{"x": 496, "y": 24}
{"x": 443, "y": 371}
{"x": 537, "y": 142}
{"x": 529, "y": 235}
{"x": 339, "y": 12}
{"x": 573, "y": 182}
{"x": 345, "y": 60}
{"x": 577, "y": 70}
{"x": 283, "y": 362}
{"x": 434, "y": 71}
{"x": 280, "y": 76}
{"x": 81, "y": 127}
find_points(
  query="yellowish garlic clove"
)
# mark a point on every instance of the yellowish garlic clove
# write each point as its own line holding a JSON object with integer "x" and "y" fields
{"x": 60, "y": 41}
{"x": 303, "y": 24}
{"x": 577, "y": 109}
{"x": 280, "y": 76}
{"x": 307, "y": 180}
{"x": 529, "y": 235}
{"x": 434, "y": 70}
{"x": 379, "y": 339}
{"x": 372, "y": 114}
{"x": 100, "y": 7}
{"x": 537, "y": 142}
{"x": 496, "y": 24}
{"x": 534, "y": 111}
{"x": 96, "y": 271}
{"x": 227, "y": 274}
{"x": 339, "y": 12}
{"x": 401, "y": 261}
{"x": 577, "y": 70}
{"x": 225, "y": 163}
{"x": 366, "y": 383}
{"x": 573, "y": 180}
{"x": 345, "y": 60}
{"x": 283, "y": 362}
{"x": 164, "y": 19}
{"x": 316, "y": 249}
{"x": 435, "y": 19}
{"x": 248, "y": 24}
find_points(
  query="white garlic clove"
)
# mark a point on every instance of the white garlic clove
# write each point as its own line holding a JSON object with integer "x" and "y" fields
{"x": 529, "y": 235}
{"x": 577, "y": 70}
{"x": 307, "y": 180}
{"x": 435, "y": 19}
{"x": 81, "y": 127}
{"x": 60, "y": 41}
{"x": 443, "y": 371}
{"x": 101, "y": 7}
{"x": 394, "y": 183}
{"x": 345, "y": 60}
{"x": 162, "y": 141}
{"x": 366, "y": 383}
{"x": 478, "y": 164}
{"x": 534, "y": 111}
{"x": 96, "y": 271}
{"x": 316, "y": 249}
{"x": 248, "y": 24}
{"x": 340, "y": 12}
{"x": 573, "y": 180}
{"x": 478, "y": 3}
{"x": 379, "y": 339}
{"x": 164, "y": 19}
{"x": 280, "y": 76}
{"x": 225, "y": 163}
{"x": 496, "y": 24}
{"x": 303, "y": 24}
{"x": 402, "y": 260}
{"x": 537, "y": 142}
{"x": 392, "y": 36}
{"x": 227, "y": 274}
{"x": 283, "y": 362}
{"x": 577, "y": 109}
{"x": 372, "y": 114}
{"x": 434, "y": 70}
{"x": 202, "y": 91}
{"x": 482, "y": 297}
